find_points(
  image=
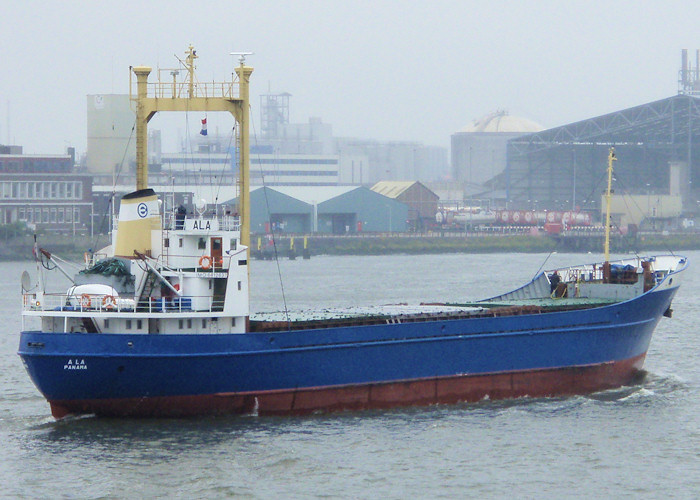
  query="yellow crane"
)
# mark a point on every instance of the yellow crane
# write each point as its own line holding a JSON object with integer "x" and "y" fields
{"x": 192, "y": 95}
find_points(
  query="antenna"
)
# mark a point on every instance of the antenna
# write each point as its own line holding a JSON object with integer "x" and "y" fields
{"x": 241, "y": 56}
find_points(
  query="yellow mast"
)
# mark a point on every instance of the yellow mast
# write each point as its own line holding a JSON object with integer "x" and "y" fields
{"x": 244, "y": 73}
{"x": 608, "y": 196}
{"x": 211, "y": 96}
{"x": 142, "y": 118}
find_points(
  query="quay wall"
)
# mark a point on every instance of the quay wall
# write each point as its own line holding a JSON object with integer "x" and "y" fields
{"x": 73, "y": 248}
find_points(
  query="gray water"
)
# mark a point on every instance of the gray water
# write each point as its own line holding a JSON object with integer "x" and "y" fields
{"x": 641, "y": 441}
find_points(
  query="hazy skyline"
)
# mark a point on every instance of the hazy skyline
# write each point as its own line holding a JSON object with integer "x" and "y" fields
{"x": 378, "y": 70}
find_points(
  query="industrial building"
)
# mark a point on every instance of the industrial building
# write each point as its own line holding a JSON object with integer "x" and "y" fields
{"x": 422, "y": 202}
{"x": 649, "y": 212}
{"x": 266, "y": 167}
{"x": 284, "y": 153}
{"x": 110, "y": 133}
{"x": 324, "y": 209}
{"x": 44, "y": 192}
{"x": 657, "y": 147}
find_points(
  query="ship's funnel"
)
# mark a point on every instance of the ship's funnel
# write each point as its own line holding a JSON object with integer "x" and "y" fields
{"x": 138, "y": 216}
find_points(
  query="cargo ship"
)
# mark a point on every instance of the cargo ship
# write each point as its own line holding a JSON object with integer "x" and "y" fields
{"x": 158, "y": 324}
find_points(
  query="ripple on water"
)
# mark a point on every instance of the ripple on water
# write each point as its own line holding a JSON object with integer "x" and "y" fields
{"x": 641, "y": 439}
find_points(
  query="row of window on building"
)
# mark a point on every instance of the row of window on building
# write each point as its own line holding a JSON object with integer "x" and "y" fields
{"x": 41, "y": 190}
{"x": 49, "y": 215}
{"x": 294, "y": 173}
{"x": 28, "y": 164}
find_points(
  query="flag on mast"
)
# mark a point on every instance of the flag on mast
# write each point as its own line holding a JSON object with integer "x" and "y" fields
{"x": 204, "y": 127}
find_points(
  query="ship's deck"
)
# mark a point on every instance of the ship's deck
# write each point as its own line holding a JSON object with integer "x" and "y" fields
{"x": 384, "y": 311}
{"x": 401, "y": 313}
{"x": 546, "y": 303}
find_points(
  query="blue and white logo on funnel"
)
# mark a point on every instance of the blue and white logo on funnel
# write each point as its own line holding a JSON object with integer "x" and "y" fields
{"x": 142, "y": 210}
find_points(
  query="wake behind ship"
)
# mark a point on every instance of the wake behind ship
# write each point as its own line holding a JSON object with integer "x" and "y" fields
{"x": 158, "y": 323}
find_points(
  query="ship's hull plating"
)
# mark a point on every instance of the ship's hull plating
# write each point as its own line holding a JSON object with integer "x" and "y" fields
{"x": 375, "y": 366}
{"x": 447, "y": 390}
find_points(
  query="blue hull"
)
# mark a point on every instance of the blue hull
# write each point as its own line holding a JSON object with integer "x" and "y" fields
{"x": 336, "y": 368}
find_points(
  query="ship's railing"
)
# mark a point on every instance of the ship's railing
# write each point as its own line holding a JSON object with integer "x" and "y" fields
{"x": 223, "y": 222}
{"x": 626, "y": 270}
{"x": 595, "y": 273}
{"x": 97, "y": 303}
{"x": 173, "y": 260}
{"x": 171, "y": 221}
{"x": 228, "y": 90}
{"x": 581, "y": 273}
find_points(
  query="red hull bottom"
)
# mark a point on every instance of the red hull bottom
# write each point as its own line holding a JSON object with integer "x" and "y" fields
{"x": 442, "y": 390}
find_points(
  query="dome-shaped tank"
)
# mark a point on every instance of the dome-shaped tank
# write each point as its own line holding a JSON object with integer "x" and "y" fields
{"x": 501, "y": 121}
{"x": 479, "y": 149}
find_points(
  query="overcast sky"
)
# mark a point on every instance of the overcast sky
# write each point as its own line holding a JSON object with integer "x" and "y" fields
{"x": 388, "y": 70}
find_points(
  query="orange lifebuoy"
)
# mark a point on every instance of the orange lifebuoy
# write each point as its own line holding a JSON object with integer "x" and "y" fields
{"x": 205, "y": 262}
{"x": 84, "y": 300}
{"x": 109, "y": 302}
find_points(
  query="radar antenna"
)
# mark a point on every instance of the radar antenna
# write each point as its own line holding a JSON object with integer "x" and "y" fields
{"x": 241, "y": 56}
